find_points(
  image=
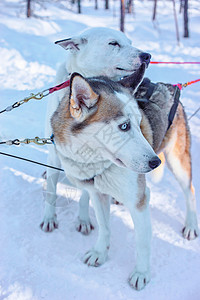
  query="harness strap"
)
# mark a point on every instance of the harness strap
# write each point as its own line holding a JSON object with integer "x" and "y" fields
{"x": 174, "y": 107}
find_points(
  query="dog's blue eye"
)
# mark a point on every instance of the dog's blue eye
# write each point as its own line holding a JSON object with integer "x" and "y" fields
{"x": 114, "y": 44}
{"x": 125, "y": 126}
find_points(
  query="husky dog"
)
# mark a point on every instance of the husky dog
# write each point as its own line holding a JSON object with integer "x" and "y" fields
{"x": 98, "y": 139}
{"x": 107, "y": 142}
{"x": 96, "y": 52}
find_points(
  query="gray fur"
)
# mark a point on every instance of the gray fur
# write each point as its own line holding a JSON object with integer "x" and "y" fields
{"x": 159, "y": 107}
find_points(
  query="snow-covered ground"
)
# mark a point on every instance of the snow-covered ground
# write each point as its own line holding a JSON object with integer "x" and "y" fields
{"x": 36, "y": 265}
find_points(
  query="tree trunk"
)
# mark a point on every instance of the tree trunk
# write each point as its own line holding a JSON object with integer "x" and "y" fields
{"x": 185, "y": 13}
{"x": 28, "y": 8}
{"x": 181, "y": 6}
{"x": 106, "y": 4}
{"x": 79, "y": 6}
{"x": 129, "y": 6}
{"x": 154, "y": 10}
{"x": 176, "y": 22}
{"x": 122, "y": 16}
{"x": 96, "y": 4}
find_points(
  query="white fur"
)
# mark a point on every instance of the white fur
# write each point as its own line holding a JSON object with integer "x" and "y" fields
{"x": 96, "y": 57}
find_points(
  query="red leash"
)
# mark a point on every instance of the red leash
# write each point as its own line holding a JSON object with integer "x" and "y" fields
{"x": 175, "y": 62}
{"x": 66, "y": 84}
{"x": 183, "y": 85}
{"x": 59, "y": 87}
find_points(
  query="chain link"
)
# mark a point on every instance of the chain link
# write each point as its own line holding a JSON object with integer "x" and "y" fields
{"x": 37, "y": 96}
{"x": 36, "y": 140}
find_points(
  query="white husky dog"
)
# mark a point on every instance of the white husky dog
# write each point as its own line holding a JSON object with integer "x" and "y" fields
{"x": 97, "y": 51}
{"x": 98, "y": 139}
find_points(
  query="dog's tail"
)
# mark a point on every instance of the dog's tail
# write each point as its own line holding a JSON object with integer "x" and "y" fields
{"x": 157, "y": 174}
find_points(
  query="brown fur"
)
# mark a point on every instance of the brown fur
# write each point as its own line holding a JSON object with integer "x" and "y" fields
{"x": 75, "y": 109}
{"x": 162, "y": 157}
{"x": 182, "y": 144}
{"x": 177, "y": 139}
{"x": 108, "y": 107}
{"x": 60, "y": 118}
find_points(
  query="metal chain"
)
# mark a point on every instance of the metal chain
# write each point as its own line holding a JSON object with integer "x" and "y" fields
{"x": 37, "y": 96}
{"x": 36, "y": 140}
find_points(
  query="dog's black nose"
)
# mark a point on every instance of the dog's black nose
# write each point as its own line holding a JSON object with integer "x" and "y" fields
{"x": 145, "y": 57}
{"x": 154, "y": 162}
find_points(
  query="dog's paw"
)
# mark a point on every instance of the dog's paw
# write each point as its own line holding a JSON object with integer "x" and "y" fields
{"x": 190, "y": 232}
{"x": 85, "y": 227}
{"x": 94, "y": 258}
{"x": 139, "y": 280}
{"x": 49, "y": 224}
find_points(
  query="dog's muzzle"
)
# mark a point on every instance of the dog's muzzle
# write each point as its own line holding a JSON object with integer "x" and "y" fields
{"x": 145, "y": 58}
{"x": 154, "y": 162}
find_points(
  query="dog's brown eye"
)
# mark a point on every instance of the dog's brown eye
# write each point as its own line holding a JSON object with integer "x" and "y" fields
{"x": 125, "y": 126}
{"x": 114, "y": 44}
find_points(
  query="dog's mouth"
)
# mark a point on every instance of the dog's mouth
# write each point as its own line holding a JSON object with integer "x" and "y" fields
{"x": 125, "y": 70}
{"x": 133, "y": 70}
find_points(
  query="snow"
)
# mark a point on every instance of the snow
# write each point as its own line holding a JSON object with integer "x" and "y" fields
{"x": 36, "y": 265}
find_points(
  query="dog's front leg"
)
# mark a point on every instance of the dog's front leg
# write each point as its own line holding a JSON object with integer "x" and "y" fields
{"x": 142, "y": 225}
{"x": 98, "y": 254}
{"x": 130, "y": 188}
{"x": 49, "y": 222}
{"x": 83, "y": 223}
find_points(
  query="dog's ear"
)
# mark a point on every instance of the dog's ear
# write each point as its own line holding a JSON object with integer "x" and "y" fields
{"x": 72, "y": 43}
{"x": 134, "y": 79}
{"x": 82, "y": 97}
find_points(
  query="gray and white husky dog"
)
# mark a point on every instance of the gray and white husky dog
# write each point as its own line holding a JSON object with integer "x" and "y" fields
{"x": 107, "y": 142}
{"x": 100, "y": 117}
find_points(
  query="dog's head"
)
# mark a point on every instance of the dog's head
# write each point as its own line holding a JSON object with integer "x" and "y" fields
{"x": 103, "y": 52}
{"x": 101, "y": 117}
